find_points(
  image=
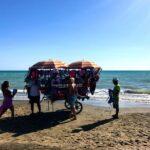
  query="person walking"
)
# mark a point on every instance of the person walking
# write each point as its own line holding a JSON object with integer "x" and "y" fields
{"x": 8, "y": 99}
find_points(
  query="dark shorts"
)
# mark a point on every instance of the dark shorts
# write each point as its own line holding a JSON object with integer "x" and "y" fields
{"x": 116, "y": 104}
{"x": 34, "y": 99}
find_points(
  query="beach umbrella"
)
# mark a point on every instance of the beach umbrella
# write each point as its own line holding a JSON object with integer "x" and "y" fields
{"x": 84, "y": 64}
{"x": 50, "y": 64}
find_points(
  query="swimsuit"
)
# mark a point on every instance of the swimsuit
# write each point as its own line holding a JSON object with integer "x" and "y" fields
{"x": 6, "y": 104}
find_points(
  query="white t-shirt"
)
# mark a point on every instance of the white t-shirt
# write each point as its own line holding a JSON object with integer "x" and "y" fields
{"x": 34, "y": 90}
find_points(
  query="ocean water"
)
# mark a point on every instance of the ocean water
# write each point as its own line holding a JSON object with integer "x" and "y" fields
{"x": 135, "y": 85}
{"x": 16, "y": 78}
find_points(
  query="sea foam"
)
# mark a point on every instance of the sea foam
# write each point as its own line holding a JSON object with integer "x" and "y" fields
{"x": 100, "y": 95}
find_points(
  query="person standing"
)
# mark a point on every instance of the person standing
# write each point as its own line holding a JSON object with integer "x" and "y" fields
{"x": 35, "y": 95}
{"x": 72, "y": 96}
{"x": 8, "y": 96}
{"x": 116, "y": 92}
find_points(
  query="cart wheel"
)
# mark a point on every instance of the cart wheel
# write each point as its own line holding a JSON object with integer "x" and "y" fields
{"x": 78, "y": 105}
{"x": 67, "y": 105}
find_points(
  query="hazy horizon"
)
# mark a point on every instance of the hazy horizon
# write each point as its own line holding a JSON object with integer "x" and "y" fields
{"x": 102, "y": 70}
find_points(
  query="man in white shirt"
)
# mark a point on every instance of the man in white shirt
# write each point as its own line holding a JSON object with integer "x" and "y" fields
{"x": 35, "y": 95}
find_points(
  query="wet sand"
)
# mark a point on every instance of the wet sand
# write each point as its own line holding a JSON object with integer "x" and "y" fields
{"x": 94, "y": 129}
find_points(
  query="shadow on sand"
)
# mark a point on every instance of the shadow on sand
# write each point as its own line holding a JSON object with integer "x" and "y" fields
{"x": 27, "y": 124}
{"x": 89, "y": 127}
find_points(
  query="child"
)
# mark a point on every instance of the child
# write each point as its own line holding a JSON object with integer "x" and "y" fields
{"x": 116, "y": 92}
{"x": 7, "y": 103}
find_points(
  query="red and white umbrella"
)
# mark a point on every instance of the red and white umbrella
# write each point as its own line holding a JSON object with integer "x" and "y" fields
{"x": 50, "y": 64}
{"x": 83, "y": 65}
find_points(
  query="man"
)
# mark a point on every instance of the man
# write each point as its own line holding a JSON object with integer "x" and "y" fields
{"x": 116, "y": 92}
{"x": 72, "y": 95}
{"x": 35, "y": 95}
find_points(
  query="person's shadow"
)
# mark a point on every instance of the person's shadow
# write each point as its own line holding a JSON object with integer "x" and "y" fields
{"x": 27, "y": 124}
{"x": 89, "y": 127}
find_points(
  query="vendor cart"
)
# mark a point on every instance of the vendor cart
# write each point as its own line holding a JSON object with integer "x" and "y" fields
{"x": 53, "y": 76}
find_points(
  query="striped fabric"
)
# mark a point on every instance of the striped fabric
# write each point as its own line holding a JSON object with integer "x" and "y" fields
{"x": 50, "y": 64}
{"x": 83, "y": 64}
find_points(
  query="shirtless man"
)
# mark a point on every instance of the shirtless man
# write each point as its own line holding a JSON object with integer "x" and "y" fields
{"x": 72, "y": 97}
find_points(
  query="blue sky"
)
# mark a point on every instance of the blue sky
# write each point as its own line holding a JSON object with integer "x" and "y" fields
{"x": 113, "y": 33}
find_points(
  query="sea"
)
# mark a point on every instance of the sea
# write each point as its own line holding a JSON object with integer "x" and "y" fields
{"x": 135, "y": 87}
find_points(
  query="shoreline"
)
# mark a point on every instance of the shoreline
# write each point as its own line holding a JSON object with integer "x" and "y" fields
{"x": 100, "y": 103}
{"x": 100, "y": 99}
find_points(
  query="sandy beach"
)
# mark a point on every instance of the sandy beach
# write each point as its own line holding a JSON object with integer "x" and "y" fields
{"x": 94, "y": 129}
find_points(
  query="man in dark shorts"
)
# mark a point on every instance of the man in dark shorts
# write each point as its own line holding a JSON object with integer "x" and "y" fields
{"x": 116, "y": 92}
{"x": 35, "y": 95}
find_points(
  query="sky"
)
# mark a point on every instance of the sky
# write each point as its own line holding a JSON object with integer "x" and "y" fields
{"x": 115, "y": 34}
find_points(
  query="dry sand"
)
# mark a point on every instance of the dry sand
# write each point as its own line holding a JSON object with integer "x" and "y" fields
{"x": 94, "y": 129}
